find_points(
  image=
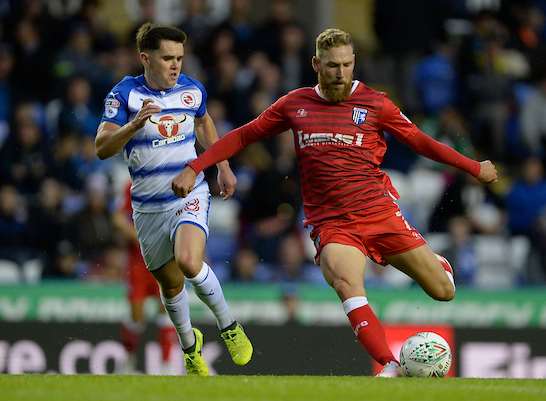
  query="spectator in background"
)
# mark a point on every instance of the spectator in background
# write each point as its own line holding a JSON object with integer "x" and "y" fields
{"x": 31, "y": 73}
{"x": 293, "y": 59}
{"x": 91, "y": 229}
{"x": 23, "y": 159}
{"x": 197, "y": 24}
{"x": 64, "y": 161}
{"x": 527, "y": 198}
{"x": 48, "y": 222}
{"x": 14, "y": 229}
{"x": 435, "y": 79}
{"x": 225, "y": 85}
{"x": 461, "y": 251}
{"x": 292, "y": 263}
{"x": 240, "y": 26}
{"x": 533, "y": 119}
{"x": 77, "y": 113}
{"x": 247, "y": 268}
{"x": 271, "y": 208}
{"x": 280, "y": 15}
{"x": 77, "y": 59}
{"x": 526, "y": 206}
{"x": 464, "y": 196}
{"x": 7, "y": 94}
{"x": 65, "y": 263}
{"x": 217, "y": 111}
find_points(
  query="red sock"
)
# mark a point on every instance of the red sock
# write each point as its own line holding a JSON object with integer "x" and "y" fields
{"x": 370, "y": 334}
{"x": 129, "y": 338}
{"x": 167, "y": 337}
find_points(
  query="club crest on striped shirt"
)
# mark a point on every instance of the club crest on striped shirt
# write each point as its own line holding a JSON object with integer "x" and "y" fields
{"x": 359, "y": 115}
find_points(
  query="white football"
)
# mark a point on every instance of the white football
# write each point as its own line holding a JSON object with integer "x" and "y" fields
{"x": 425, "y": 354}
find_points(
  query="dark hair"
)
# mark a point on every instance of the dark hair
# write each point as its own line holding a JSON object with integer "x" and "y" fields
{"x": 149, "y": 36}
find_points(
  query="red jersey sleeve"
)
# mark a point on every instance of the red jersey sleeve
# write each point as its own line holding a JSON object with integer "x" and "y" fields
{"x": 127, "y": 207}
{"x": 396, "y": 123}
{"x": 271, "y": 122}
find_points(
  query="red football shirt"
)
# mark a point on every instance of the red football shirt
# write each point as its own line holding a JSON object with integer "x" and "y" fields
{"x": 340, "y": 147}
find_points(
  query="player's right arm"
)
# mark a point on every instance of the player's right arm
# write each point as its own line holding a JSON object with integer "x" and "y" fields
{"x": 395, "y": 122}
{"x": 271, "y": 122}
{"x": 111, "y": 137}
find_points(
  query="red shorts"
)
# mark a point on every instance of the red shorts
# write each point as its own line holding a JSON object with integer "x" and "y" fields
{"x": 141, "y": 284}
{"x": 375, "y": 235}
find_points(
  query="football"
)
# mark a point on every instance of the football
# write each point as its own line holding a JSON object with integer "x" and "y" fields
{"x": 425, "y": 354}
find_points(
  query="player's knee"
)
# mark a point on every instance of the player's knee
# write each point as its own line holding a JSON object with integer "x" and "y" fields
{"x": 171, "y": 291}
{"x": 444, "y": 292}
{"x": 189, "y": 263}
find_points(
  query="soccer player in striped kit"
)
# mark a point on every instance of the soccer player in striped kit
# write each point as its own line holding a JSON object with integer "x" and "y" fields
{"x": 154, "y": 119}
{"x": 349, "y": 201}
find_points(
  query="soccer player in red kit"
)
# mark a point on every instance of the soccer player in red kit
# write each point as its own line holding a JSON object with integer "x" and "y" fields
{"x": 140, "y": 286}
{"x": 348, "y": 200}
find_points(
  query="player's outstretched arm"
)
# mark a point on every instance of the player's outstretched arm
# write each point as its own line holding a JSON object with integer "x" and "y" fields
{"x": 270, "y": 122}
{"x": 111, "y": 137}
{"x": 207, "y": 135}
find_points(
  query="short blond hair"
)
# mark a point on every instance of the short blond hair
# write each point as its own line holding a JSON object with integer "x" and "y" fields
{"x": 332, "y": 37}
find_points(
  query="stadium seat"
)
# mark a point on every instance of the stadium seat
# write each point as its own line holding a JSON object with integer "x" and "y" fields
{"x": 32, "y": 271}
{"x": 428, "y": 186}
{"x": 9, "y": 272}
{"x": 495, "y": 270}
{"x": 224, "y": 216}
{"x": 519, "y": 254}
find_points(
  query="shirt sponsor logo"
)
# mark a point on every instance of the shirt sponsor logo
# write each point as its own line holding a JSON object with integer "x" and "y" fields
{"x": 359, "y": 115}
{"x": 156, "y": 143}
{"x": 328, "y": 138}
{"x": 167, "y": 125}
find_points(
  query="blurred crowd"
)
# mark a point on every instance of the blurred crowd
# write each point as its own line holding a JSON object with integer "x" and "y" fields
{"x": 470, "y": 73}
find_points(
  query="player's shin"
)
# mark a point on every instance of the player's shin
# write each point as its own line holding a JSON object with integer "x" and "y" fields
{"x": 368, "y": 329}
{"x": 178, "y": 308}
{"x": 208, "y": 289}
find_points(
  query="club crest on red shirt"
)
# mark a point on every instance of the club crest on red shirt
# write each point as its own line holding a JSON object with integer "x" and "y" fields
{"x": 359, "y": 115}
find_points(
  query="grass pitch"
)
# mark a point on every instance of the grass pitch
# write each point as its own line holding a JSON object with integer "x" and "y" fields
{"x": 253, "y": 388}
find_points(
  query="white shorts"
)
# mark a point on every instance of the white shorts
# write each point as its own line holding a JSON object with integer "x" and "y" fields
{"x": 155, "y": 231}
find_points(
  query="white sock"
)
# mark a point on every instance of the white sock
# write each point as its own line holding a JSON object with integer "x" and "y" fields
{"x": 178, "y": 308}
{"x": 444, "y": 262}
{"x": 134, "y": 327}
{"x": 352, "y": 303}
{"x": 208, "y": 289}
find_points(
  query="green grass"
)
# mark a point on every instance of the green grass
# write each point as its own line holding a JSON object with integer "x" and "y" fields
{"x": 252, "y": 388}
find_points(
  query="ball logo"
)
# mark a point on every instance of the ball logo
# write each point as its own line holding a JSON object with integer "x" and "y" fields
{"x": 192, "y": 206}
{"x": 188, "y": 99}
{"x": 168, "y": 125}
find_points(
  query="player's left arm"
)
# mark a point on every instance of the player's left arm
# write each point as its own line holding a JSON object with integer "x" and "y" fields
{"x": 206, "y": 134}
{"x": 395, "y": 122}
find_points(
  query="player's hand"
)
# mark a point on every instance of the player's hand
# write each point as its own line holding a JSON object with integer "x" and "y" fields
{"x": 183, "y": 183}
{"x": 488, "y": 172}
{"x": 226, "y": 181}
{"x": 148, "y": 108}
